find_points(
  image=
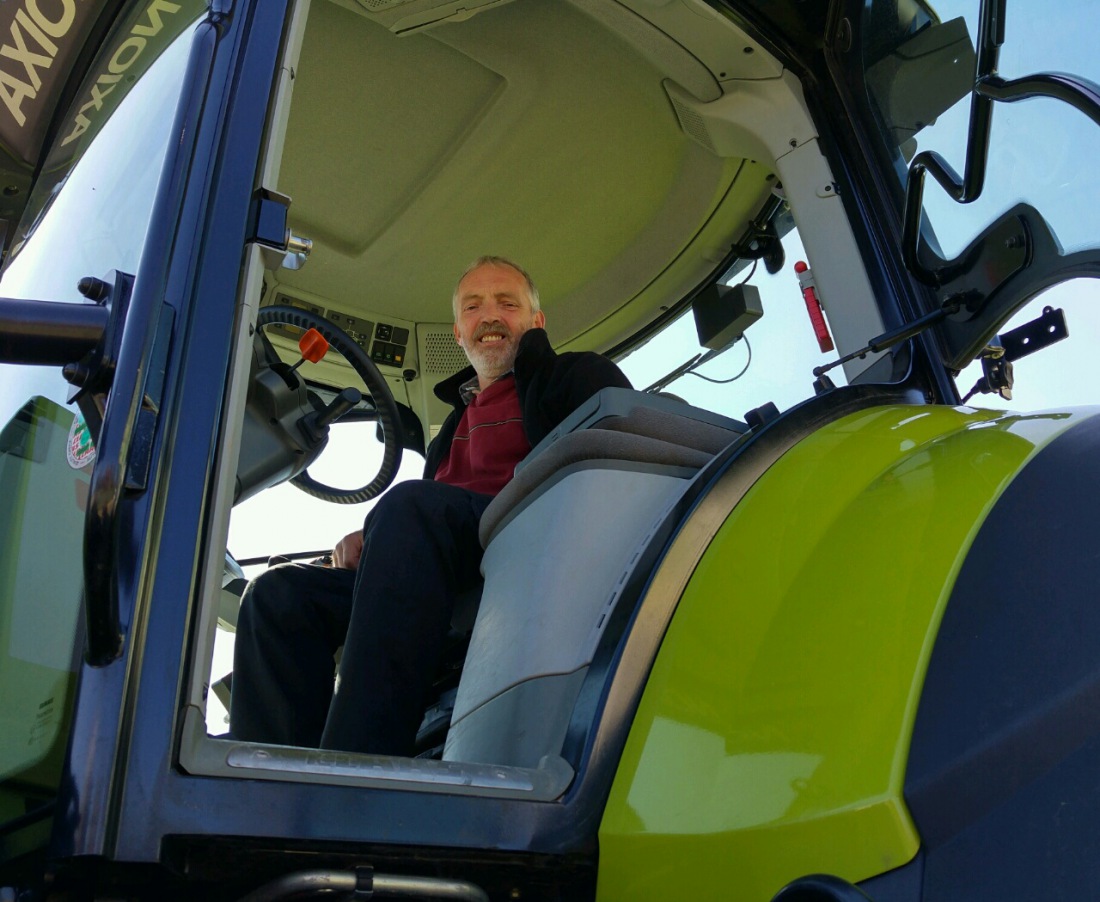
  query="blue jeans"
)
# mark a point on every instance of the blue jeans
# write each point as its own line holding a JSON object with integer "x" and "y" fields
{"x": 420, "y": 551}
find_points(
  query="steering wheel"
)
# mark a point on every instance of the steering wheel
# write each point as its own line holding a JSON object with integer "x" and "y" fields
{"x": 380, "y": 394}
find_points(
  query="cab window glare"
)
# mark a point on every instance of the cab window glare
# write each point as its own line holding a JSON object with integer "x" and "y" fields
{"x": 110, "y": 191}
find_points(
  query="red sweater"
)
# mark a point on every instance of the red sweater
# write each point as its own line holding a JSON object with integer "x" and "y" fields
{"x": 489, "y": 441}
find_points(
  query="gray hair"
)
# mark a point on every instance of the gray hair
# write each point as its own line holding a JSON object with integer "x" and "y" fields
{"x": 494, "y": 260}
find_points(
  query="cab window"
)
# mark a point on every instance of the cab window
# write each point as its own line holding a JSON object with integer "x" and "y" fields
{"x": 920, "y": 65}
{"x": 46, "y": 457}
{"x": 102, "y": 173}
{"x": 772, "y": 362}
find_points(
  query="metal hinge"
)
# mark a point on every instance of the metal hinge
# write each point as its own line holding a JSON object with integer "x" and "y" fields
{"x": 268, "y": 228}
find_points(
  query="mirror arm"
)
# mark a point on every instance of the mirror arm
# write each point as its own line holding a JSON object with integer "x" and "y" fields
{"x": 49, "y": 333}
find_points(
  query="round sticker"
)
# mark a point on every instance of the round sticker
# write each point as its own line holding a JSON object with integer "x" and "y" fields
{"x": 79, "y": 450}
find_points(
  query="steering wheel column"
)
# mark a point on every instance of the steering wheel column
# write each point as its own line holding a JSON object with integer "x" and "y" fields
{"x": 286, "y": 423}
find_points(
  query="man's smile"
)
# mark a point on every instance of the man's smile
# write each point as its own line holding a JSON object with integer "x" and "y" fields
{"x": 491, "y": 333}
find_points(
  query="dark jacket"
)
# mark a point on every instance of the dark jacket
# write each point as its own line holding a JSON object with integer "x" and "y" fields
{"x": 550, "y": 387}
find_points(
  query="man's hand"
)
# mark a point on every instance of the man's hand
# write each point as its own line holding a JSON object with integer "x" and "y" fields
{"x": 347, "y": 551}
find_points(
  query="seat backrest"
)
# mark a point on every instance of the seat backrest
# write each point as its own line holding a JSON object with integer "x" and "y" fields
{"x": 559, "y": 540}
{"x": 603, "y": 448}
{"x": 645, "y": 412}
{"x": 616, "y": 424}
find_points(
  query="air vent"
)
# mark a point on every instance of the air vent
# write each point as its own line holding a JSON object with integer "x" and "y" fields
{"x": 692, "y": 123}
{"x": 377, "y": 6}
{"x": 440, "y": 354}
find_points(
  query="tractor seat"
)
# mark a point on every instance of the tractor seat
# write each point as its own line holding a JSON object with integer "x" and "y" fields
{"x": 588, "y": 500}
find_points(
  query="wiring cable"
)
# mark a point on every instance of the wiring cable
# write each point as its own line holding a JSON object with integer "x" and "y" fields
{"x": 744, "y": 369}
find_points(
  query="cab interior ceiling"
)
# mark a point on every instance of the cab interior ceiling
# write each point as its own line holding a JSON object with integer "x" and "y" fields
{"x": 542, "y": 130}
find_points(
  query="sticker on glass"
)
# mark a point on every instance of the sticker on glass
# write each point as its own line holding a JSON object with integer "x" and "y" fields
{"x": 79, "y": 449}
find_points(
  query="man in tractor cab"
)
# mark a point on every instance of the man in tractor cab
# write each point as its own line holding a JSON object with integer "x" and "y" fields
{"x": 389, "y": 596}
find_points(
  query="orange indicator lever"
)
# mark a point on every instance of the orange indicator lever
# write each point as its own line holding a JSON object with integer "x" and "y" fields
{"x": 313, "y": 346}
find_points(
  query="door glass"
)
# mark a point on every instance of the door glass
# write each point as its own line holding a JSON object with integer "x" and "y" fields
{"x": 46, "y": 457}
{"x": 919, "y": 61}
{"x": 1061, "y": 376}
{"x": 88, "y": 214}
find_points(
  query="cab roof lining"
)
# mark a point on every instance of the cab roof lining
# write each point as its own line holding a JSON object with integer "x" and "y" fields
{"x": 529, "y": 130}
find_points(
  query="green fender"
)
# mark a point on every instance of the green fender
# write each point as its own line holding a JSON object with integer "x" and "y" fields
{"x": 772, "y": 735}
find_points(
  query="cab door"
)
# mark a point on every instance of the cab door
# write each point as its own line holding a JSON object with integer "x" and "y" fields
{"x": 117, "y": 301}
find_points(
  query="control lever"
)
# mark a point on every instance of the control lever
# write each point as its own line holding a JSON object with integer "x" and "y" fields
{"x": 315, "y": 425}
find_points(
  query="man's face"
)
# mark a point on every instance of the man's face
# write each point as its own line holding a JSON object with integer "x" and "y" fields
{"x": 494, "y": 310}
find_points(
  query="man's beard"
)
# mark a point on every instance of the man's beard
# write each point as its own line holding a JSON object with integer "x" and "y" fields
{"x": 495, "y": 359}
